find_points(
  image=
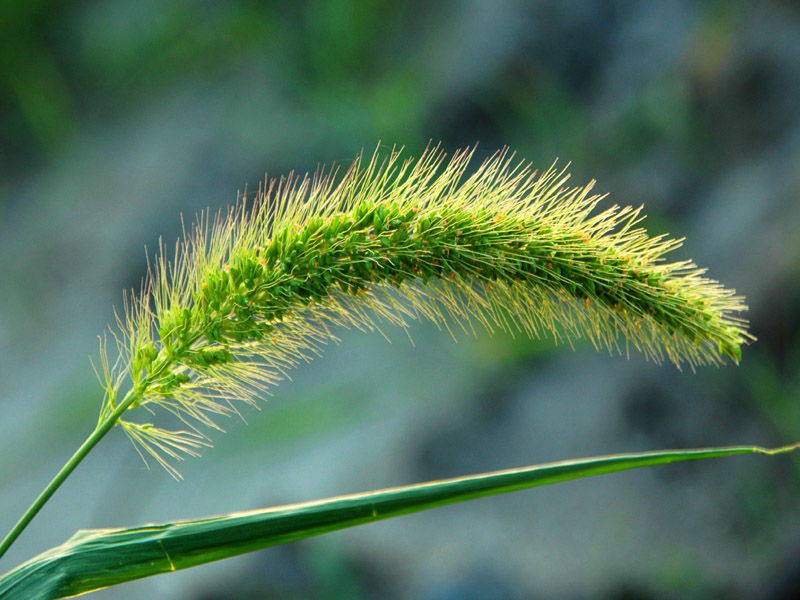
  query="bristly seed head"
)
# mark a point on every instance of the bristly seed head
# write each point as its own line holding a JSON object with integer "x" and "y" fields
{"x": 251, "y": 294}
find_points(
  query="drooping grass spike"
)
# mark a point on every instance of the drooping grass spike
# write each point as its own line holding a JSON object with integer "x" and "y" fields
{"x": 252, "y": 293}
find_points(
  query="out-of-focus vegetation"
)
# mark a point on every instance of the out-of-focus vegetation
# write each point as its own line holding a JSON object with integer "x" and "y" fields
{"x": 117, "y": 116}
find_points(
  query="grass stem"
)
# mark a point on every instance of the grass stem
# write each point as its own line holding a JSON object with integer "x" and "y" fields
{"x": 90, "y": 442}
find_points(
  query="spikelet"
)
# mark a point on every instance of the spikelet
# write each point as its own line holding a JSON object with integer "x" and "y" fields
{"x": 249, "y": 295}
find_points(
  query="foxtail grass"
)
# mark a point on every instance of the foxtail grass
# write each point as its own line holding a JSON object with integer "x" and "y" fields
{"x": 248, "y": 295}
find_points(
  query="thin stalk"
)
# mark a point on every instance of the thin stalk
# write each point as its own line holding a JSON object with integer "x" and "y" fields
{"x": 90, "y": 442}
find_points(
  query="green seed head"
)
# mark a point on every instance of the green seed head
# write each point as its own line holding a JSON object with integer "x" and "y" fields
{"x": 255, "y": 292}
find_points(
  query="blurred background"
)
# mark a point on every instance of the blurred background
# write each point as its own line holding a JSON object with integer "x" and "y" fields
{"x": 117, "y": 117}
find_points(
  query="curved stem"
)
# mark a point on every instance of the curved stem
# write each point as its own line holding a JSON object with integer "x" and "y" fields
{"x": 70, "y": 465}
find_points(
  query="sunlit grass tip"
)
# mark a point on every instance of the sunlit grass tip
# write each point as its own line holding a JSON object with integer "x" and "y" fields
{"x": 247, "y": 295}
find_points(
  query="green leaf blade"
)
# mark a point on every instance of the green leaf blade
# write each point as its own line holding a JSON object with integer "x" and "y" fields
{"x": 95, "y": 559}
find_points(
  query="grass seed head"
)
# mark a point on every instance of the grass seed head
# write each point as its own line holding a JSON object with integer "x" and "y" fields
{"x": 250, "y": 294}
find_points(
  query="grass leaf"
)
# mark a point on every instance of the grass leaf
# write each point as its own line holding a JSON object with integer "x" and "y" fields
{"x": 94, "y": 559}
